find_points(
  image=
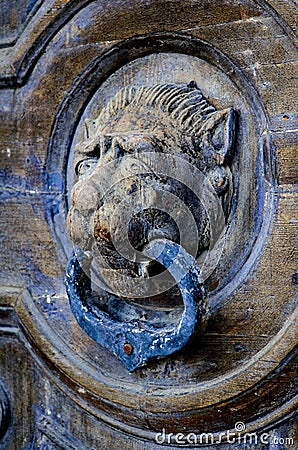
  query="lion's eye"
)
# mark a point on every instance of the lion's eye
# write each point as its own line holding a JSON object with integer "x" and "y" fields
{"x": 86, "y": 166}
{"x": 219, "y": 179}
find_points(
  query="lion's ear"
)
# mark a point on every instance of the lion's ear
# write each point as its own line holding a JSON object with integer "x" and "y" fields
{"x": 217, "y": 135}
{"x": 89, "y": 128}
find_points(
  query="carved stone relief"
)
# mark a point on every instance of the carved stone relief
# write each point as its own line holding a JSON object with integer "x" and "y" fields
{"x": 131, "y": 136}
{"x": 225, "y": 100}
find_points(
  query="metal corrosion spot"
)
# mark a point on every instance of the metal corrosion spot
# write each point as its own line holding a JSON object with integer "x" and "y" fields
{"x": 102, "y": 232}
{"x": 127, "y": 348}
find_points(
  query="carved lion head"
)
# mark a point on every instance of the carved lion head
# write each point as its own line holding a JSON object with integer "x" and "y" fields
{"x": 166, "y": 118}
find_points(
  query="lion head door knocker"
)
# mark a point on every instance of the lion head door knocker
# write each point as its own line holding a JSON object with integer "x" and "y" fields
{"x": 152, "y": 194}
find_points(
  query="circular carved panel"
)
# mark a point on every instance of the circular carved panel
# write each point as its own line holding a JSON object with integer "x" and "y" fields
{"x": 247, "y": 208}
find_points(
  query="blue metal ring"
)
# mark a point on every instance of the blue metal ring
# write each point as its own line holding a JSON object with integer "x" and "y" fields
{"x": 137, "y": 342}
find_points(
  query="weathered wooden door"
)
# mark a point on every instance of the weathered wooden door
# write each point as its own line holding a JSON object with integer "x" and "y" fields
{"x": 209, "y": 88}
